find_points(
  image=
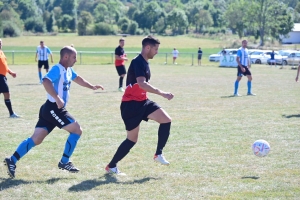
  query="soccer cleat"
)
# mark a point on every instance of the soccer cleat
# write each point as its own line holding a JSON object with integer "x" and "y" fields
{"x": 68, "y": 166}
{"x": 121, "y": 89}
{"x": 237, "y": 95}
{"x": 251, "y": 94}
{"x": 161, "y": 159}
{"x": 14, "y": 115}
{"x": 114, "y": 170}
{"x": 11, "y": 167}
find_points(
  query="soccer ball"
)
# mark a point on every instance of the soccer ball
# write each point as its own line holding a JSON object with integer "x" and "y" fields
{"x": 260, "y": 148}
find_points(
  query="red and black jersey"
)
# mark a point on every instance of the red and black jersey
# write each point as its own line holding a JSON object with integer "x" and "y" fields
{"x": 138, "y": 67}
{"x": 119, "y": 51}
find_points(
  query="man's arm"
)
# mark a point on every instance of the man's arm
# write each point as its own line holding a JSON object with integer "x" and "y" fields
{"x": 13, "y": 74}
{"x": 50, "y": 90}
{"x": 36, "y": 54}
{"x": 141, "y": 81}
{"x": 239, "y": 63}
{"x": 117, "y": 57}
{"x": 82, "y": 82}
{"x": 298, "y": 71}
{"x": 51, "y": 57}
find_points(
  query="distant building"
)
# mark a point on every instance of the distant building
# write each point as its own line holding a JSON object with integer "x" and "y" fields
{"x": 294, "y": 36}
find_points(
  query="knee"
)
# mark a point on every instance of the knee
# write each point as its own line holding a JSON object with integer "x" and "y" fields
{"x": 37, "y": 141}
{"x": 79, "y": 130}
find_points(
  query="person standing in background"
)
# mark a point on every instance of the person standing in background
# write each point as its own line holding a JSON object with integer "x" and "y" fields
{"x": 175, "y": 53}
{"x": 120, "y": 58}
{"x": 199, "y": 56}
{"x": 3, "y": 82}
{"x": 42, "y": 53}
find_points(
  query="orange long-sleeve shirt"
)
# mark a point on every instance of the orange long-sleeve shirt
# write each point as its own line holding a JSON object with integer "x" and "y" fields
{"x": 3, "y": 64}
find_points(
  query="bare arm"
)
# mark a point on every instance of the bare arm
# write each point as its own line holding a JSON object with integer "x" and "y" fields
{"x": 141, "y": 81}
{"x": 81, "y": 81}
{"x": 298, "y": 71}
{"x": 13, "y": 74}
{"x": 51, "y": 58}
{"x": 36, "y": 54}
{"x": 239, "y": 63}
{"x": 50, "y": 90}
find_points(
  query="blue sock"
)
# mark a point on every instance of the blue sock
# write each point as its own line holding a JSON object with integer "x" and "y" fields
{"x": 22, "y": 149}
{"x": 236, "y": 87}
{"x": 69, "y": 147}
{"x": 249, "y": 86}
{"x": 40, "y": 75}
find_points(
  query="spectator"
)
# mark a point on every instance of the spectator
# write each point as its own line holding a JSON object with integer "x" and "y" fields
{"x": 199, "y": 56}
{"x": 175, "y": 53}
{"x": 272, "y": 60}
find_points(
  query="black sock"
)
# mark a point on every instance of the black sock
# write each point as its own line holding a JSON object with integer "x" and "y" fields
{"x": 163, "y": 135}
{"x": 121, "y": 81}
{"x": 8, "y": 105}
{"x": 122, "y": 151}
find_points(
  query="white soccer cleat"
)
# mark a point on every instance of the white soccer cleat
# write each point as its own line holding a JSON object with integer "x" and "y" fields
{"x": 161, "y": 159}
{"x": 237, "y": 95}
{"x": 114, "y": 170}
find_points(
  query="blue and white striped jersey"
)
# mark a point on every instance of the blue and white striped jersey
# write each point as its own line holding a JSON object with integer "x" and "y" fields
{"x": 61, "y": 79}
{"x": 242, "y": 53}
{"x": 43, "y": 53}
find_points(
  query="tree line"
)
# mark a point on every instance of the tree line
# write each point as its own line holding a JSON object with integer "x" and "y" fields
{"x": 258, "y": 18}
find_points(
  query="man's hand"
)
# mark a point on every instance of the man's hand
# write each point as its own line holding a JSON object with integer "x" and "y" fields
{"x": 59, "y": 102}
{"x": 167, "y": 95}
{"x": 96, "y": 87}
{"x": 243, "y": 69}
{"x": 13, "y": 74}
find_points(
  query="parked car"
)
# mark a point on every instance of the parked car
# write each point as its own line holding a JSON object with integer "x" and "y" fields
{"x": 293, "y": 58}
{"x": 216, "y": 57}
{"x": 262, "y": 56}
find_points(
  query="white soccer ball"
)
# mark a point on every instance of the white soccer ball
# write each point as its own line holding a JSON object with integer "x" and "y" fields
{"x": 261, "y": 148}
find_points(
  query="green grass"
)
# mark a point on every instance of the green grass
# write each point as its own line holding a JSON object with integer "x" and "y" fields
{"x": 209, "y": 146}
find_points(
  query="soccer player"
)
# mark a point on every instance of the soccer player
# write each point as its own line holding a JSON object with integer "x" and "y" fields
{"x": 272, "y": 60}
{"x": 120, "y": 58}
{"x": 243, "y": 68}
{"x": 136, "y": 106}
{"x": 199, "y": 56}
{"x": 54, "y": 113}
{"x": 42, "y": 52}
{"x": 3, "y": 82}
{"x": 175, "y": 53}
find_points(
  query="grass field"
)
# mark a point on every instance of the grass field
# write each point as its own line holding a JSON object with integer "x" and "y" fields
{"x": 209, "y": 146}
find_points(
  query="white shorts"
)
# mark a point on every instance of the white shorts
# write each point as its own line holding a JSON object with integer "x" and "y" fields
{"x": 272, "y": 61}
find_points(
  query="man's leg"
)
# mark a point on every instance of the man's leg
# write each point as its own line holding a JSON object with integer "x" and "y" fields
{"x": 162, "y": 117}
{"x": 8, "y": 103}
{"x": 236, "y": 85}
{"x": 249, "y": 85}
{"x": 121, "y": 81}
{"x": 40, "y": 73}
{"x": 24, "y": 147}
{"x": 75, "y": 132}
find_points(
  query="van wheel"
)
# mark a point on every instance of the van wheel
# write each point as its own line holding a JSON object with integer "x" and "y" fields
{"x": 284, "y": 62}
{"x": 258, "y": 61}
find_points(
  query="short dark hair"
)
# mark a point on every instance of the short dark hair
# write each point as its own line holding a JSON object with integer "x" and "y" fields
{"x": 67, "y": 50}
{"x": 122, "y": 39}
{"x": 41, "y": 41}
{"x": 149, "y": 40}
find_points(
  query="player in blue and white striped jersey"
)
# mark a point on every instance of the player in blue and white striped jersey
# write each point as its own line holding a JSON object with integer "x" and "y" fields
{"x": 243, "y": 68}
{"x": 53, "y": 113}
{"x": 42, "y": 53}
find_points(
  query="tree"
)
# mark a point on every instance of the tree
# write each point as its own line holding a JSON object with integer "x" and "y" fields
{"x": 178, "y": 21}
{"x": 101, "y": 13}
{"x": 203, "y": 19}
{"x": 84, "y": 20}
{"x": 1, "y": 28}
{"x": 235, "y": 16}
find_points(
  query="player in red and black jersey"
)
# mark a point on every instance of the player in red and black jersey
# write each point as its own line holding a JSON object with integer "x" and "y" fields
{"x": 136, "y": 106}
{"x": 120, "y": 58}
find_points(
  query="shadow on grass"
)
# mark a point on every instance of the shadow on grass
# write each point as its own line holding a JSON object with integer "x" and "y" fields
{"x": 9, "y": 183}
{"x": 26, "y": 84}
{"x": 290, "y": 116}
{"x": 228, "y": 96}
{"x": 250, "y": 177}
{"x": 109, "y": 179}
{"x": 105, "y": 91}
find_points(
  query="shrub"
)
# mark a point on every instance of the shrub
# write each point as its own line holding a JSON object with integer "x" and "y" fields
{"x": 11, "y": 29}
{"x": 103, "y": 29}
{"x": 132, "y": 28}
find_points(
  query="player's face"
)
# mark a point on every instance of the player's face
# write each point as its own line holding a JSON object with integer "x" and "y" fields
{"x": 244, "y": 43}
{"x": 153, "y": 51}
{"x": 42, "y": 44}
{"x": 122, "y": 43}
{"x": 72, "y": 58}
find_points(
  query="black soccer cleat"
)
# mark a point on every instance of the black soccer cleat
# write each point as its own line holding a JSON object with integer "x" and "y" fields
{"x": 68, "y": 166}
{"x": 11, "y": 167}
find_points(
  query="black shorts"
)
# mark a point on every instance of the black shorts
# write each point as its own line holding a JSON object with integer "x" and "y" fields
{"x": 240, "y": 73}
{"x": 199, "y": 57}
{"x": 133, "y": 112}
{"x": 3, "y": 84}
{"x": 50, "y": 117}
{"x": 121, "y": 70}
{"x": 43, "y": 62}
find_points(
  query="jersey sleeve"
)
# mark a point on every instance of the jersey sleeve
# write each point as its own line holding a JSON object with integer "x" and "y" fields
{"x": 49, "y": 51}
{"x": 74, "y": 74}
{"x": 53, "y": 74}
{"x": 138, "y": 70}
{"x": 239, "y": 53}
